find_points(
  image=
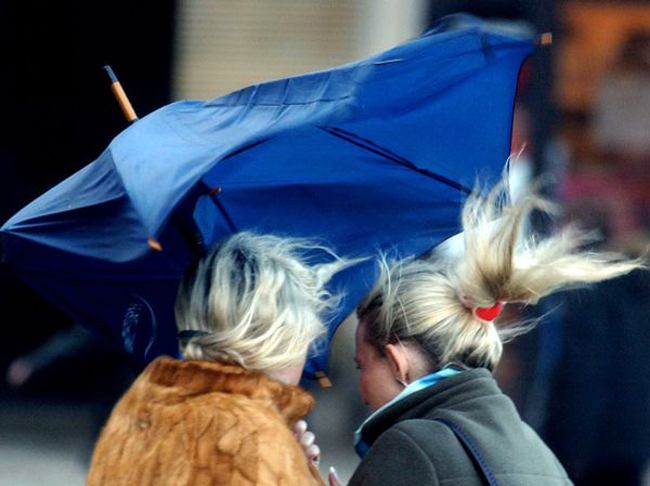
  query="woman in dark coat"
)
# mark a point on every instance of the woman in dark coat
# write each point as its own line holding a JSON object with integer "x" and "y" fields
{"x": 429, "y": 338}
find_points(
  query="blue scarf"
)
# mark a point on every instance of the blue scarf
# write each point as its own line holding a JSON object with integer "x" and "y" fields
{"x": 426, "y": 381}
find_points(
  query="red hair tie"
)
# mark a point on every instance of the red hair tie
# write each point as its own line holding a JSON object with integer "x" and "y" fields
{"x": 488, "y": 313}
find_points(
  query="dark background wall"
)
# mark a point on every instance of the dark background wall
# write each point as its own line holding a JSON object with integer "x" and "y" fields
{"x": 58, "y": 112}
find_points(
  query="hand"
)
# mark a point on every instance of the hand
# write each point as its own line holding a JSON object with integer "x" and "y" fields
{"x": 306, "y": 440}
{"x": 333, "y": 478}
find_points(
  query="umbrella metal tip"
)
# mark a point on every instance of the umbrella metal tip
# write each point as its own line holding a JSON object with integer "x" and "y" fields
{"x": 110, "y": 73}
{"x": 545, "y": 39}
{"x": 323, "y": 380}
{"x": 154, "y": 244}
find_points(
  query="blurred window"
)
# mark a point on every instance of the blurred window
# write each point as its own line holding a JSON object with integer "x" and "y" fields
{"x": 223, "y": 45}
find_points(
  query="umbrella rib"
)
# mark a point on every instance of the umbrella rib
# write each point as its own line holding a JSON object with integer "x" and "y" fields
{"x": 222, "y": 210}
{"x": 376, "y": 149}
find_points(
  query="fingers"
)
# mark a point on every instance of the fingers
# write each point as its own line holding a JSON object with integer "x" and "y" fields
{"x": 312, "y": 451}
{"x": 313, "y": 454}
{"x": 307, "y": 439}
{"x": 333, "y": 477}
{"x": 300, "y": 428}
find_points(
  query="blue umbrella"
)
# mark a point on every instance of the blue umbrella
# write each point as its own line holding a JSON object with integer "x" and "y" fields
{"x": 370, "y": 156}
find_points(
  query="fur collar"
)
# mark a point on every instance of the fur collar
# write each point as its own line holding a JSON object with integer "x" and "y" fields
{"x": 182, "y": 378}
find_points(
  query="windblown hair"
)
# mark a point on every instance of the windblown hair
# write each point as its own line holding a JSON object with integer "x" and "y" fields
{"x": 432, "y": 302}
{"x": 256, "y": 301}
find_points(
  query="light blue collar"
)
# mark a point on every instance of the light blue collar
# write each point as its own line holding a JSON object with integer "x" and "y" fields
{"x": 426, "y": 381}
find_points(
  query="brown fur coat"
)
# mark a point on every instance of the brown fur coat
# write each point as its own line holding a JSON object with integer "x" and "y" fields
{"x": 200, "y": 423}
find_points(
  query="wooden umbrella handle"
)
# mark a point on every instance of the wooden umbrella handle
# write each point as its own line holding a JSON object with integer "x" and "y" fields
{"x": 121, "y": 97}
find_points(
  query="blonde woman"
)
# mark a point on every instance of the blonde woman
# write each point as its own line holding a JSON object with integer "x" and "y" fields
{"x": 429, "y": 337}
{"x": 223, "y": 415}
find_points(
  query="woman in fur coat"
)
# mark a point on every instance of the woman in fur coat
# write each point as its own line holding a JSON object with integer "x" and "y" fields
{"x": 224, "y": 413}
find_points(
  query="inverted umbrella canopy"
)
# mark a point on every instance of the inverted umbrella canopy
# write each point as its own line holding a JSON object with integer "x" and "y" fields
{"x": 370, "y": 156}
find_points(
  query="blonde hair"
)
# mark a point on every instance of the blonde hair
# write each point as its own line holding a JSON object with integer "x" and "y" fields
{"x": 256, "y": 301}
{"x": 433, "y": 302}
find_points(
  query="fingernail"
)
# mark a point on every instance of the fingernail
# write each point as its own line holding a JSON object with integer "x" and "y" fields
{"x": 333, "y": 472}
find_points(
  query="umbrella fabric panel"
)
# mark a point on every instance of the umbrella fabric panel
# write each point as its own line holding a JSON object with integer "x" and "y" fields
{"x": 169, "y": 150}
{"x": 87, "y": 215}
{"x": 126, "y": 318}
{"x": 186, "y": 139}
{"x": 363, "y": 199}
{"x": 128, "y": 304}
{"x": 458, "y": 132}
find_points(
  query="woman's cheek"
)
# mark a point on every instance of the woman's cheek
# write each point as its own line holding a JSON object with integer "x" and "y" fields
{"x": 363, "y": 386}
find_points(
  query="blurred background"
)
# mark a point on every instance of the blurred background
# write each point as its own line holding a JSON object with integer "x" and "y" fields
{"x": 582, "y": 378}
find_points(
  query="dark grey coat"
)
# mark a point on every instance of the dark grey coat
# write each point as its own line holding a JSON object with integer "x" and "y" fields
{"x": 409, "y": 447}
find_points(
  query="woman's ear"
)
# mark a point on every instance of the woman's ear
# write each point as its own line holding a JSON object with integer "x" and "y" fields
{"x": 399, "y": 362}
